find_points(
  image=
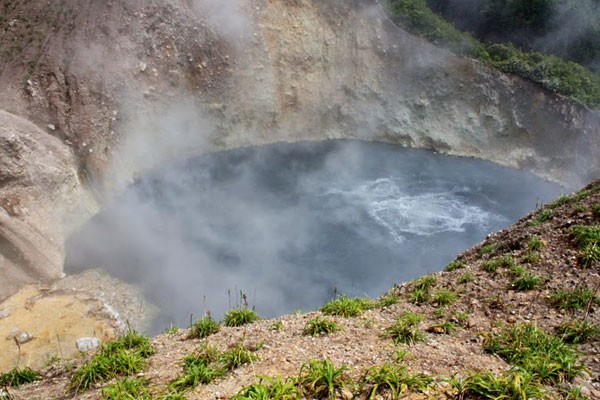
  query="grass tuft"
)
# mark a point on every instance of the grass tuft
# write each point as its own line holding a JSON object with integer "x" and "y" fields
{"x": 270, "y": 389}
{"x": 587, "y": 241}
{"x": 444, "y": 297}
{"x": 127, "y": 389}
{"x": 525, "y": 281}
{"x": 573, "y": 299}
{"x": 322, "y": 380}
{"x": 347, "y": 307}
{"x": 203, "y": 328}
{"x": 390, "y": 379}
{"x": 454, "y": 265}
{"x": 511, "y": 385}
{"x": 17, "y": 377}
{"x": 578, "y": 331}
{"x": 320, "y": 326}
{"x": 240, "y": 316}
{"x": 405, "y": 329}
{"x": 546, "y": 357}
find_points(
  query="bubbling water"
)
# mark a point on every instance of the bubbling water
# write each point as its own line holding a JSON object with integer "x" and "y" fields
{"x": 290, "y": 224}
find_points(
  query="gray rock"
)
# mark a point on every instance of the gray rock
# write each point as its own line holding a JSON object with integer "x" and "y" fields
{"x": 86, "y": 344}
{"x": 4, "y": 313}
{"x": 24, "y": 337}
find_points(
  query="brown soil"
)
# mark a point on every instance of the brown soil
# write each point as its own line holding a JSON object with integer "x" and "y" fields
{"x": 489, "y": 300}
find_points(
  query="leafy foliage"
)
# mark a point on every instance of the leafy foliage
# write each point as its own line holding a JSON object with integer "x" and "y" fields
{"x": 573, "y": 299}
{"x": 320, "y": 326}
{"x": 405, "y": 329}
{"x": 17, "y": 377}
{"x": 321, "y": 379}
{"x": 511, "y": 385}
{"x": 240, "y": 316}
{"x": 347, "y": 307}
{"x": 204, "y": 327}
{"x": 270, "y": 389}
{"x": 391, "y": 378}
{"x": 127, "y": 389}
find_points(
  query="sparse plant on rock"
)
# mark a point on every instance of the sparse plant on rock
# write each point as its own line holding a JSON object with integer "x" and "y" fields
{"x": 320, "y": 326}
{"x": 444, "y": 297}
{"x": 206, "y": 326}
{"x": 322, "y": 380}
{"x": 454, "y": 265}
{"x": 240, "y": 316}
{"x": 406, "y": 330}
{"x": 347, "y": 307}
{"x": 391, "y": 379}
{"x": 270, "y": 389}
{"x": 573, "y": 299}
{"x": 578, "y": 331}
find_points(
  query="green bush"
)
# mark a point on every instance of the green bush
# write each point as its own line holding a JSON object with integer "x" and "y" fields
{"x": 393, "y": 379}
{"x": 322, "y": 380}
{"x": 17, "y": 377}
{"x": 405, "y": 329}
{"x": 206, "y": 326}
{"x": 454, "y": 265}
{"x": 320, "y": 326}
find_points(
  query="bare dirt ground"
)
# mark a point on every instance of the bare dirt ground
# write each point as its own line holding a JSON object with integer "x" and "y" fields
{"x": 487, "y": 299}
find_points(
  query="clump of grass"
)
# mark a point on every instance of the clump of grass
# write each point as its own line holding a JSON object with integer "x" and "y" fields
{"x": 320, "y": 326}
{"x": 388, "y": 300}
{"x": 587, "y": 241}
{"x": 321, "y": 379}
{"x": 206, "y": 326}
{"x": 392, "y": 379}
{"x": 596, "y": 209}
{"x": 421, "y": 289}
{"x": 494, "y": 264}
{"x": 123, "y": 356}
{"x": 534, "y": 243}
{"x": 531, "y": 257}
{"x": 466, "y": 278}
{"x": 573, "y": 299}
{"x": 405, "y": 329}
{"x": 511, "y": 385}
{"x": 546, "y": 357}
{"x": 560, "y": 201}
{"x": 270, "y": 389}
{"x": 447, "y": 328}
{"x": 236, "y": 357}
{"x": 541, "y": 217}
{"x": 578, "y": 331}
{"x": 525, "y": 281}
{"x": 444, "y": 297}
{"x": 495, "y": 301}
{"x": 454, "y": 265}
{"x": 196, "y": 370}
{"x": 487, "y": 249}
{"x": 461, "y": 318}
{"x": 347, "y": 307}
{"x": 171, "y": 330}
{"x": 126, "y": 389}
{"x": 240, "y": 316}
{"x": 276, "y": 326}
{"x": 425, "y": 282}
{"x": 17, "y": 377}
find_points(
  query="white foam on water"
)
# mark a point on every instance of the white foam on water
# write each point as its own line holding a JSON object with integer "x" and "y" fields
{"x": 423, "y": 214}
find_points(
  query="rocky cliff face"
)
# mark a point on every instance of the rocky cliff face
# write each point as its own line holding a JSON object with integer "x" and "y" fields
{"x": 122, "y": 86}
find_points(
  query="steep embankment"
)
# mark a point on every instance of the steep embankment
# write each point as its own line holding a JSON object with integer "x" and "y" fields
{"x": 505, "y": 307}
{"x": 129, "y": 85}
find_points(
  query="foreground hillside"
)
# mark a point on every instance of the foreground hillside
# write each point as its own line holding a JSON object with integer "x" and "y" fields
{"x": 514, "y": 317}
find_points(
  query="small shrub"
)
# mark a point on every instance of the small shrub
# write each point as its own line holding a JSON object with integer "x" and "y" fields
{"x": 270, "y": 389}
{"x": 17, "y": 377}
{"x": 525, "y": 282}
{"x": 578, "y": 331}
{"x": 321, "y": 379}
{"x": 466, "y": 278}
{"x": 571, "y": 300}
{"x": 236, "y": 357}
{"x": 205, "y": 327}
{"x": 444, "y": 297}
{"x": 454, "y": 265}
{"x": 240, "y": 316}
{"x": 511, "y": 385}
{"x": 392, "y": 379}
{"x": 320, "y": 326}
{"x": 127, "y": 389}
{"x": 347, "y": 307}
{"x": 405, "y": 329}
{"x": 545, "y": 356}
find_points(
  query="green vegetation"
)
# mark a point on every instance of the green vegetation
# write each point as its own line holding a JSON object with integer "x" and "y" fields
{"x": 127, "y": 389}
{"x": 541, "y": 217}
{"x": 17, "y": 377}
{"x": 276, "y": 326}
{"x": 454, "y": 265}
{"x": 447, "y": 327}
{"x": 487, "y": 249}
{"x": 511, "y": 385}
{"x": 320, "y": 326}
{"x": 236, "y": 357}
{"x": 534, "y": 243}
{"x": 405, "y": 329}
{"x": 543, "y": 356}
{"x": 578, "y": 331}
{"x": 171, "y": 330}
{"x": 321, "y": 380}
{"x": 347, "y": 307}
{"x": 392, "y": 379}
{"x": 240, "y": 316}
{"x": 388, "y": 300}
{"x": 421, "y": 289}
{"x": 573, "y": 299}
{"x": 493, "y": 264}
{"x": 587, "y": 241}
{"x": 444, "y": 297}
{"x": 270, "y": 389}
{"x": 560, "y": 201}
{"x": 596, "y": 209}
{"x": 120, "y": 357}
{"x": 525, "y": 281}
{"x": 206, "y": 326}
{"x": 564, "y": 77}
{"x": 466, "y": 278}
